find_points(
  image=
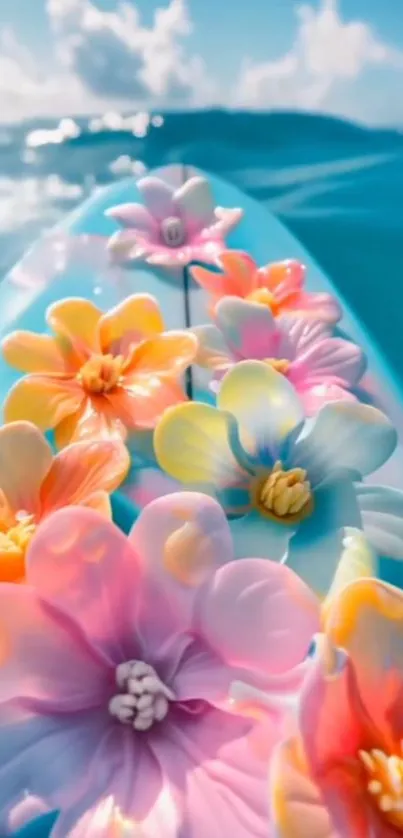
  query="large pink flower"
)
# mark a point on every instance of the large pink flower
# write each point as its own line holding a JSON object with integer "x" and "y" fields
{"x": 344, "y": 768}
{"x": 322, "y": 368}
{"x": 116, "y": 663}
{"x": 173, "y": 227}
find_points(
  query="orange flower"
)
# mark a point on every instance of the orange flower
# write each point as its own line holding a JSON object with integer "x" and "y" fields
{"x": 99, "y": 375}
{"x": 33, "y": 483}
{"x": 279, "y": 285}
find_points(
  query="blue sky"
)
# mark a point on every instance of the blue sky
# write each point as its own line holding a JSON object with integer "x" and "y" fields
{"x": 334, "y": 56}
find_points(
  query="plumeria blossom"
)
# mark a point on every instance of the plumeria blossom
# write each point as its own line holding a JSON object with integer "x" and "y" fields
{"x": 344, "y": 765}
{"x": 279, "y": 286}
{"x": 98, "y": 375}
{"x": 288, "y": 485}
{"x": 174, "y": 226}
{"x": 34, "y": 483}
{"x": 119, "y": 715}
{"x": 322, "y": 368}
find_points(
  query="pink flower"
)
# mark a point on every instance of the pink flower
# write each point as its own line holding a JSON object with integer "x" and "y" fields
{"x": 344, "y": 768}
{"x": 322, "y": 368}
{"x": 174, "y": 227}
{"x": 116, "y": 664}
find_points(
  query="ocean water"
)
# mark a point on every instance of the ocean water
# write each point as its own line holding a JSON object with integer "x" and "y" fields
{"x": 337, "y": 186}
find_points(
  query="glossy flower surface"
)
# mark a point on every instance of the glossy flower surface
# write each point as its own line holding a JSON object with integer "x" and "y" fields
{"x": 123, "y": 700}
{"x": 174, "y": 226}
{"x": 98, "y": 375}
{"x": 289, "y": 486}
{"x": 344, "y": 765}
{"x": 322, "y": 368}
{"x": 278, "y": 286}
{"x": 34, "y": 483}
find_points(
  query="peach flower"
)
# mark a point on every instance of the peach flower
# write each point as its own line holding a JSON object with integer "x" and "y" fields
{"x": 98, "y": 375}
{"x": 34, "y": 483}
{"x": 278, "y": 285}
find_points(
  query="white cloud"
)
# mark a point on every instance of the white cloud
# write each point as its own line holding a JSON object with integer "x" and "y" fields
{"x": 327, "y": 52}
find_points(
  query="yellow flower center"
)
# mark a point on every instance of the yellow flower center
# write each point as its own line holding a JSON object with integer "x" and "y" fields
{"x": 265, "y": 298}
{"x": 384, "y": 775}
{"x": 13, "y": 544}
{"x": 101, "y": 373}
{"x": 278, "y": 364}
{"x": 283, "y": 495}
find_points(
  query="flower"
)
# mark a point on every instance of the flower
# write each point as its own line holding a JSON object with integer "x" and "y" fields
{"x": 279, "y": 286}
{"x": 99, "y": 375}
{"x": 344, "y": 765}
{"x": 322, "y": 368}
{"x": 288, "y": 485}
{"x": 174, "y": 227}
{"x": 33, "y": 483}
{"x": 120, "y": 713}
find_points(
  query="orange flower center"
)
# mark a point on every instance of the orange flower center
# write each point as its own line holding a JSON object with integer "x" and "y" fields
{"x": 266, "y": 298}
{"x": 278, "y": 364}
{"x": 101, "y": 373}
{"x": 283, "y": 495}
{"x": 384, "y": 775}
{"x": 13, "y": 545}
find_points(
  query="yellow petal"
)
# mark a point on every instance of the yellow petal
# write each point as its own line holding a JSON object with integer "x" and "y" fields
{"x": 296, "y": 803}
{"x": 171, "y": 352}
{"x": 136, "y": 318}
{"x": 30, "y": 352}
{"x": 77, "y": 321}
{"x": 25, "y": 460}
{"x": 43, "y": 400}
{"x": 191, "y": 444}
{"x": 357, "y": 560}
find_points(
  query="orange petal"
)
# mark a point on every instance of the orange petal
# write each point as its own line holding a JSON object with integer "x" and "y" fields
{"x": 76, "y": 321}
{"x": 82, "y": 469}
{"x": 12, "y": 565}
{"x": 136, "y": 318}
{"x": 211, "y": 281}
{"x": 241, "y": 269}
{"x": 100, "y": 502}
{"x": 289, "y": 273}
{"x": 94, "y": 420}
{"x": 43, "y": 400}
{"x": 140, "y": 404}
{"x": 30, "y": 352}
{"x": 171, "y": 352}
{"x": 25, "y": 460}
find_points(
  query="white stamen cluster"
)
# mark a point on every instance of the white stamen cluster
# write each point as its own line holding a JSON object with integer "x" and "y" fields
{"x": 144, "y": 698}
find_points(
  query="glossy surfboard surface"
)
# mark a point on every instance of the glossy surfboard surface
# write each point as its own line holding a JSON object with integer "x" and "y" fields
{"x": 72, "y": 261}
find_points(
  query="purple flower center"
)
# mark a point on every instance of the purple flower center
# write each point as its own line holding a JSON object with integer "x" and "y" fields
{"x": 143, "y": 698}
{"x": 173, "y": 231}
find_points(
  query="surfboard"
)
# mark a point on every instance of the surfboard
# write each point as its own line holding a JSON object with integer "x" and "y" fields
{"x": 71, "y": 260}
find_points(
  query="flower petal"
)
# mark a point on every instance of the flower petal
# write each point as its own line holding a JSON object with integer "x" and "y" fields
{"x": 345, "y": 435}
{"x": 60, "y": 672}
{"x": 25, "y": 460}
{"x": 135, "y": 318}
{"x": 171, "y": 352}
{"x": 100, "y": 502}
{"x": 157, "y": 196}
{"x": 382, "y": 518}
{"x": 133, "y": 216}
{"x": 282, "y": 277}
{"x": 212, "y": 350}
{"x": 254, "y": 598}
{"x": 43, "y": 400}
{"x": 91, "y": 421}
{"x": 255, "y": 535}
{"x": 334, "y": 360}
{"x": 357, "y": 561}
{"x": 240, "y": 269}
{"x": 191, "y": 444}
{"x": 263, "y": 402}
{"x": 248, "y": 328}
{"x": 321, "y": 306}
{"x": 29, "y": 352}
{"x": 195, "y": 202}
{"x": 142, "y": 402}
{"x": 81, "y": 563}
{"x": 82, "y": 469}
{"x": 180, "y": 540}
{"x": 296, "y": 803}
{"x": 76, "y": 320}
{"x": 215, "y": 283}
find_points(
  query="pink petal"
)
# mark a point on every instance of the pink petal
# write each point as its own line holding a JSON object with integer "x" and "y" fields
{"x": 43, "y": 657}
{"x": 333, "y": 359}
{"x": 258, "y": 614}
{"x": 314, "y": 397}
{"x": 181, "y": 539}
{"x": 320, "y": 305}
{"x": 227, "y": 219}
{"x": 134, "y": 216}
{"x": 158, "y": 197}
{"x": 249, "y": 328}
{"x": 84, "y": 565}
{"x": 302, "y": 332}
{"x": 196, "y": 203}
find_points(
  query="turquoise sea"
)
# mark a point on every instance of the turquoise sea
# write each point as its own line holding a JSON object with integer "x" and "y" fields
{"x": 337, "y": 186}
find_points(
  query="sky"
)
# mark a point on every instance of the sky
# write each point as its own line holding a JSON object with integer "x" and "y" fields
{"x": 70, "y": 57}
